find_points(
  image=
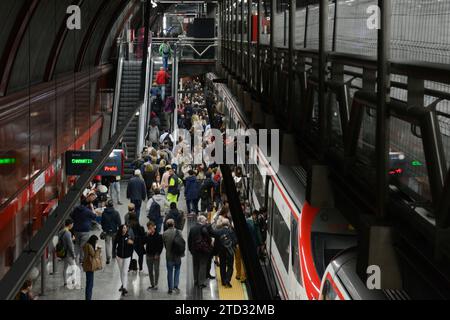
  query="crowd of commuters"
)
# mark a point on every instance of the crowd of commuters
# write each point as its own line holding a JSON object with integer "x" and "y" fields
{"x": 162, "y": 173}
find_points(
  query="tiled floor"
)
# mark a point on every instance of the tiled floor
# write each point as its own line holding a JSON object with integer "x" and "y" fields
{"x": 107, "y": 281}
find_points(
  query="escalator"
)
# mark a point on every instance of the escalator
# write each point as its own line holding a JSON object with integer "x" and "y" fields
{"x": 129, "y": 96}
{"x": 156, "y": 65}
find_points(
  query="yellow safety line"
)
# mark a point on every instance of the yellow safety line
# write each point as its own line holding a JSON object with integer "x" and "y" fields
{"x": 234, "y": 293}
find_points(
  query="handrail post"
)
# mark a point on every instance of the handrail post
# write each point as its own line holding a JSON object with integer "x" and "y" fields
{"x": 117, "y": 92}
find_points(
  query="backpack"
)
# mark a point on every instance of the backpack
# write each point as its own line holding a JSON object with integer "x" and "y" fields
{"x": 205, "y": 189}
{"x": 178, "y": 244}
{"x": 201, "y": 245}
{"x": 60, "y": 249}
{"x": 227, "y": 242}
{"x": 154, "y": 213}
{"x": 156, "y": 105}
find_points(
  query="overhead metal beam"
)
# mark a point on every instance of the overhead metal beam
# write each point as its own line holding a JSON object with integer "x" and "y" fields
{"x": 147, "y": 7}
{"x": 58, "y": 45}
{"x": 117, "y": 12}
{"x": 291, "y": 88}
{"x": 14, "y": 42}
{"x": 89, "y": 33}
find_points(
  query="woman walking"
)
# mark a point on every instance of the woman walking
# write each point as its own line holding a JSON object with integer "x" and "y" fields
{"x": 123, "y": 246}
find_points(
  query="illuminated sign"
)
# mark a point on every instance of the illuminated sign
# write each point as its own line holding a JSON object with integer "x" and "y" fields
{"x": 82, "y": 161}
{"x": 7, "y": 161}
{"x": 416, "y": 163}
{"x": 110, "y": 168}
{"x": 79, "y": 161}
{"x": 394, "y": 172}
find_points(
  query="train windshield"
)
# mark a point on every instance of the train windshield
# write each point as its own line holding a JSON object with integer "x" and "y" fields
{"x": 331, "y": 234}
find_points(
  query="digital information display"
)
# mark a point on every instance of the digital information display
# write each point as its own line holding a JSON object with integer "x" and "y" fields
{"x": 79, "y": 161}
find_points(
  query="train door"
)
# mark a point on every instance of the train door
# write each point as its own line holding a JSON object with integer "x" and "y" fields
{"x": 295, "y": 275}
{"x": 270, "y": 217}
{"x": 280, "y": 216}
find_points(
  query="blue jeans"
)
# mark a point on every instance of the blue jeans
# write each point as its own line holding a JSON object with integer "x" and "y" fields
{"x": 137, "y": 207}
{"x": 173, "y": 279}
{"x": 89, "y": 284}
{"x": 165, "y": 62}
{"x": 159, "y": 226}
{"x": 163, "y": 92}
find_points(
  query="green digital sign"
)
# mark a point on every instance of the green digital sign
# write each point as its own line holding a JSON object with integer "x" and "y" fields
{"x": 82, "y": 161}
{"x": 7, "y": 161}
{"x": 416, "y": 163}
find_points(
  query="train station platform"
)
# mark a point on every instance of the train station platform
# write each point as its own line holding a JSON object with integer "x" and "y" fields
{"x": 107, "y": 281}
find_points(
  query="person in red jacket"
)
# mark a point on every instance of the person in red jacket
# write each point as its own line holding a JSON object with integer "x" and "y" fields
{"x": 162, "y": 78}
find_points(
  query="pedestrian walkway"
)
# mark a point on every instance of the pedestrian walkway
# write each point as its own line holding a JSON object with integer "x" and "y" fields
{"x": 107, "y": 280}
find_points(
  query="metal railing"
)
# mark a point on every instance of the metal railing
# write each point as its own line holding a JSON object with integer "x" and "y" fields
{"x": 117, "y": 91}
{"x": 144, "y": 111}
{"x": 189, "y": 48}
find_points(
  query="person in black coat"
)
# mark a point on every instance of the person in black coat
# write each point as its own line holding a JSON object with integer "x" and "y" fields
{"x": 110, "y": 225}
{"x": 137, "y": 192}
{"x": 176, "y": 215}
{"x": 149, "y": 175}
{"x": 153, "y": 248}
{"x": 123, "y": 247}
{"x": 199, "y": 244}
{"x": 139, "y": 236}
{"x": 226, "y": 254}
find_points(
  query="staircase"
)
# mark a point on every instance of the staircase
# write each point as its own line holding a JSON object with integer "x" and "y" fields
{"x": 129, "y": 96}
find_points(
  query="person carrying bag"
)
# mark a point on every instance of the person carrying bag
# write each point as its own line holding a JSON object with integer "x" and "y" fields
{"x": 92, "y": 262}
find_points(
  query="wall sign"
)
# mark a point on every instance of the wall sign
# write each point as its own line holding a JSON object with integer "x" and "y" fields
{"x": 79, "y": 161}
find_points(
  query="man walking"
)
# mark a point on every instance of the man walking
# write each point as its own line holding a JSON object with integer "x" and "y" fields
{"x": 166, "y": 52}
{"x": 83, "y": 216}
{"x": 67, "y": 240}
{"x": 227, "y": 246}
{"x": 110, "y": 225}
{"x": 162, "y": 78}
{"x": 199, "y": 244}
{"x": 173, "y": 239}
{"x": 136, "y": 192}
{"x": 153, "y": 249}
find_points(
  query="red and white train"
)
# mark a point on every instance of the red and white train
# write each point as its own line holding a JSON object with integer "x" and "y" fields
{"x": 311, "y": 250}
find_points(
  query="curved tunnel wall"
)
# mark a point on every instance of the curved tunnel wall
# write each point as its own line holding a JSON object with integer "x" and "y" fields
{"x": 42, "y": 113}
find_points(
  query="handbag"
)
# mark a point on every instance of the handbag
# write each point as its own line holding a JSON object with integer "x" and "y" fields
{"x": 97, "y": 261}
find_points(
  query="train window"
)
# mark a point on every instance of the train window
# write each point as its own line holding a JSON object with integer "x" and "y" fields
{"x": 336, "y": 137}
{"x": 282, "y": 5}
{"x": 326, "y": 246}
{"x": 408, "y": 158}
{"x": 281, "y": 235}
{"x": 295, "y": 256}
{"x": 258, "y": 185}
{"x": 265, "y": 17}
{"x": 328, "y": 292}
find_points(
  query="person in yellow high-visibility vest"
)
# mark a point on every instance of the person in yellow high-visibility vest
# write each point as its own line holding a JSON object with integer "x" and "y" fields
{"x": 173, "y": 191}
